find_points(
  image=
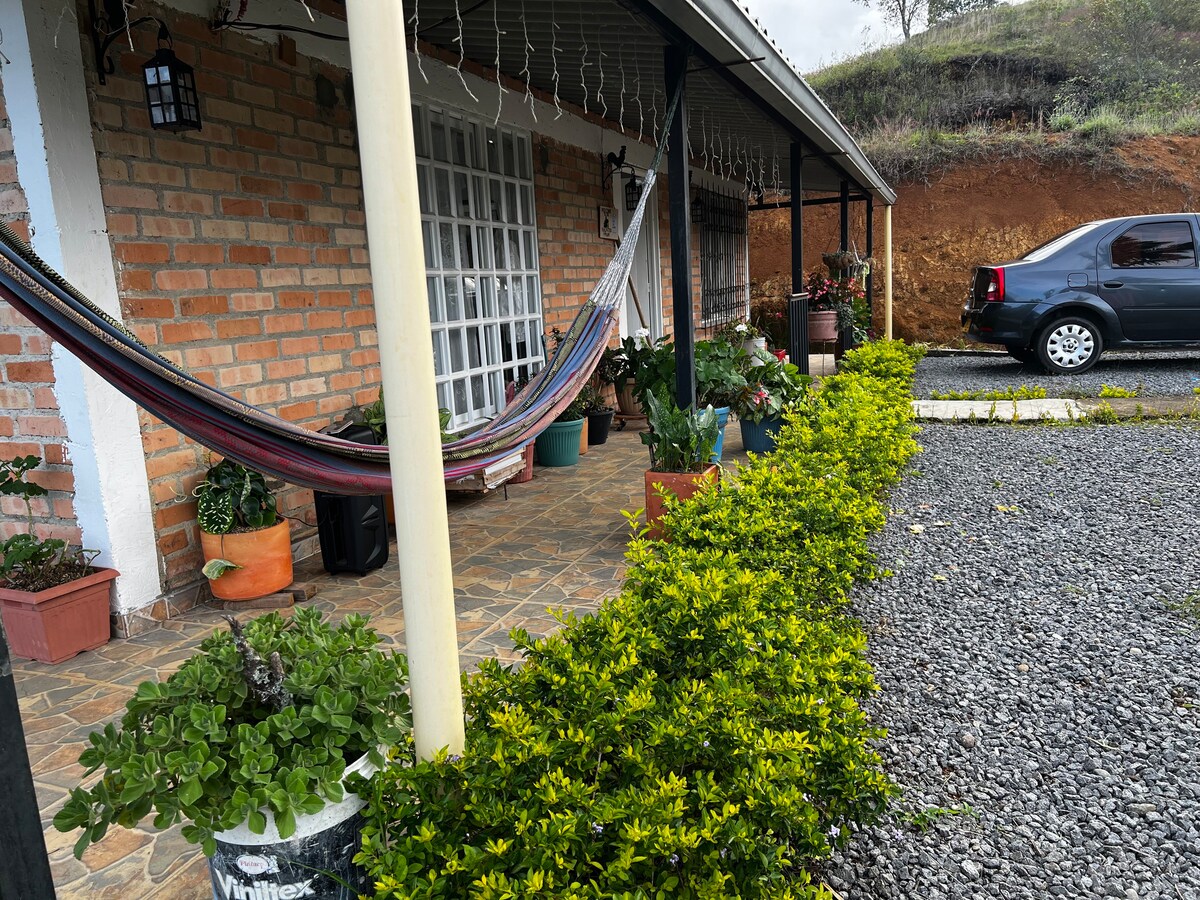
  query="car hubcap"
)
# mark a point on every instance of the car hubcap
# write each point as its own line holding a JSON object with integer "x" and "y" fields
{"x": 1070, "y": 346}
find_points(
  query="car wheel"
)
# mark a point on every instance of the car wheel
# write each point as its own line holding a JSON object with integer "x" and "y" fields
{"x": 1022, "y": 354}
{"x": 1069, "y": 346}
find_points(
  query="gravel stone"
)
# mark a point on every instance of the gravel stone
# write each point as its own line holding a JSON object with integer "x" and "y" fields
{"x": 1167, "y": 374}
{"x": 1067, "y": 550}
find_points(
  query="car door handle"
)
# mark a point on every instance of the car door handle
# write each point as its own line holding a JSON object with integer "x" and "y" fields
{"x": 1114, "y": 284}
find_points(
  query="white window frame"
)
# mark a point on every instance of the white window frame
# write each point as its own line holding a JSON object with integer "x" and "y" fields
{"x": 477, "y": 204}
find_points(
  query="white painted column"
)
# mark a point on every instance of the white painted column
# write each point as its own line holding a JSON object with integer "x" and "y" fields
{"x": 45, "y": 93}
{"x": 389, "y": 171}
{"x": 887, "y": 272}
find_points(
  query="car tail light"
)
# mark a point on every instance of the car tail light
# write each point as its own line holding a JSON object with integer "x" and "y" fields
{"x": 995, "y": 288}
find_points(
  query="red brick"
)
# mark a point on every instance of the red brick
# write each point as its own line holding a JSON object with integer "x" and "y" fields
{"x": 300, "y": 190}
{"x": 257, "y": 350}
{"x": 204, "y": 305}
{"x": 42, "y": 426}
{"x": 142, "y": 253}
{"x": 324, "y": 320}
{"x": 126, "y": 196}
{"x": 250, "y": 254}
{"x": 287, "y": 211}
{"x": 251, "y": 137}
{"x": 292, "y": 256}
{"x": 334, "y": 298}
{"x": 41, "y": 372}
{"x": 333, "y": 256}
{"x": 186, "y": 332}
{"x": 10, "y": 344}
{"x": 280, "y": 324}
{"x": 297, "y": 411}
{"x": 234, "y": 328}
{"x": 241, "y": 206}
{"x": 179, "y": 151}
{"x": 252, "y": 184}
{"x": 208, "y": 180}
{"x": 235, "y": 278}
{"x": 136, "y": 280}
{"x": 253, "y": 302}
{"x": 182, "y": 279}
{"x": 289, "y": 347}
{"x": 208, "y": 357}
{"x": 238, "y": 375}
{"x": 148, "y": 308}
{"x": 231, "y": 159}
{"x": 179, "y": 201}
{"x": 310, "y": 234}
{"x": 285, "y": 368}
{"x": 199, "y": 253}
{"x": 162, "y": 226}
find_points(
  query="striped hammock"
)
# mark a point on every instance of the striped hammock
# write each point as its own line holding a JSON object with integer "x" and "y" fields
{"x": 272, "y": 445}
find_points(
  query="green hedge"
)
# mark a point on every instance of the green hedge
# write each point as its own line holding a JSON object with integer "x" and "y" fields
{"x": 699, "y": 736}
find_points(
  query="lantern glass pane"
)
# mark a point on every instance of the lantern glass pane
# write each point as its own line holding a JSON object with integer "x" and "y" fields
{"x": 151, "y": 73}
{"x": 156, "y": 114}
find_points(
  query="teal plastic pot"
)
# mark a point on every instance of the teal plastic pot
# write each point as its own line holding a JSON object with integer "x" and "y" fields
{"x": 760, "y": 437}
{"x": 558, "y": 445}
{"x": 719, "y": 446}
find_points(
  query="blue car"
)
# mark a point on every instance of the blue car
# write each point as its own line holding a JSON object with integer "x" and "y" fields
{"x": 1129, "y": 283}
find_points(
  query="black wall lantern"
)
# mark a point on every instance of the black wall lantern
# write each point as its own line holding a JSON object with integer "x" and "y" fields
{"x": 170, "y": 83}
{"x": 633, "y": 191}
{"x": 170, "y": 86}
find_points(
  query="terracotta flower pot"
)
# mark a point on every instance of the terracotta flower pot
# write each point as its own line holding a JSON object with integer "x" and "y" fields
{"x": 265, "y": 557}
{"x": 822, "y": 325}
{"x": 583, "y": 437}
{"x": 682, "y": 484}
{"x": 626, "y": 402}
{"x": 525, "y": 474}
{"x": 60, "y": 622}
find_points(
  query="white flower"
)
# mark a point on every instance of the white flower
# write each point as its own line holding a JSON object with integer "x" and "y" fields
{"x": 642, "y": 333}
{"x": 740, "y": 327}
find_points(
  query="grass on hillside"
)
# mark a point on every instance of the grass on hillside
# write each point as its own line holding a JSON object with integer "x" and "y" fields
{"x": 1049, "y": 79}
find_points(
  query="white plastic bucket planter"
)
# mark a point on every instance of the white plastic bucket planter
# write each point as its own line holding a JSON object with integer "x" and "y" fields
{"x": 312, "y": 864}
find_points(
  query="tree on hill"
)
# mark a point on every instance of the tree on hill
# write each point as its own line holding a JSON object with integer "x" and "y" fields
{"x": 907, "y": 13}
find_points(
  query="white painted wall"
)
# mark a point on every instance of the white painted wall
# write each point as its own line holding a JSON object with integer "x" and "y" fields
{"x": 56, "y": 163}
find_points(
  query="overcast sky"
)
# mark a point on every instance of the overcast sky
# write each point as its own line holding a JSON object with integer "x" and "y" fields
{"x": 813, "y": 33}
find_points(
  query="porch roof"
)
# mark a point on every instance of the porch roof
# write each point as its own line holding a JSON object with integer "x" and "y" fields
{"x": 746, "y": 102}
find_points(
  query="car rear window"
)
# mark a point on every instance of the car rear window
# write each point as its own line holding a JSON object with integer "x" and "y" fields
{"x": 1155, "y": 245}
{"x": 1037, "y": 254}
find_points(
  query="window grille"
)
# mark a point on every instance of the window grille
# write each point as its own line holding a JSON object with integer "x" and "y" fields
{"x": 481, "y": 259}
{"x": 724, "y": 281}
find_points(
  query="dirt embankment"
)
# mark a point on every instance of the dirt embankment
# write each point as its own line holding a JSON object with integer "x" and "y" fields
{"x": 984, "y": 213}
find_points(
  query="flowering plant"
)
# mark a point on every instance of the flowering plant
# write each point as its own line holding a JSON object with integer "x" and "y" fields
{"x": 635, "y": 353}
{"x": 737, "y": 332}
{"x": 773, "y": 386}
{"x": 836, "y": 294}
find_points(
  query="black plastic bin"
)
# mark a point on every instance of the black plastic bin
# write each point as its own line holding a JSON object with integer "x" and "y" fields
{"x": 353, "y": 530}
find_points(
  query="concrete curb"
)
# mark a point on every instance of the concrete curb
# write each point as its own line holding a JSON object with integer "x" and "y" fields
{"x": 1054, "y": 409}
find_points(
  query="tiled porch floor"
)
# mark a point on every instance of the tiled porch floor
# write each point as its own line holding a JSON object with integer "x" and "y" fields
{"x": 557, "y": 541}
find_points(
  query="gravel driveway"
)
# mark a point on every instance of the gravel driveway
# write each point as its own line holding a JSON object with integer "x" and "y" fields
{"x": 1159, "y": 374}
{"x": 1036, "y": 671}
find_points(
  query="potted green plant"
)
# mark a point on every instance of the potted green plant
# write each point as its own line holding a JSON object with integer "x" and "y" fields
{"x": 558, "y": 444}
{"x": 774, "y": 386}
{"x": 637, "y": 363}
{"x": 830, "y": 305}
{"x": 746, "y": 334}
{"x": 54, "y": 602}
{"x": 251, "y": 742}
{"x": 681, "y": 445}
{"x": 247, "y": 546}
{"x": 598, "y": 413}
{"x": 720, "y": 377}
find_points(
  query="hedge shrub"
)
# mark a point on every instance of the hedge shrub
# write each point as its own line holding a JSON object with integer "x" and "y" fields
{"x": 699, "y": 736}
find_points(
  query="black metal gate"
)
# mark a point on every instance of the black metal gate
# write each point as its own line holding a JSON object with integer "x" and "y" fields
{"x": 724, "y": 282}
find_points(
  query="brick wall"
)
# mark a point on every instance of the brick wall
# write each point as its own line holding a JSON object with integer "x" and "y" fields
{"x": 240, "y": 250}
{"x": 29, "y": 418}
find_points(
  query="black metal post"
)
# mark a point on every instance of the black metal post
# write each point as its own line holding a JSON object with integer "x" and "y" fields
{"x": 871, "y": 253}
{"x": 25, "y": 873}
{"x": 846, "y": 337}
{"x": 675, "y": 61}
{"x": 798, "y": 304}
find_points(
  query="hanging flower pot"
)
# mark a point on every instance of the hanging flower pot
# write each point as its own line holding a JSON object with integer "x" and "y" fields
{"x": 822, "y": 325}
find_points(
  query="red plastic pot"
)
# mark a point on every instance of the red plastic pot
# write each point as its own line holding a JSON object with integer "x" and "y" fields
{"x": 55, "y": 624}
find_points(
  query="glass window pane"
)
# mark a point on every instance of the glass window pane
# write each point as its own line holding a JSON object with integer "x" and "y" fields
{"x": 493, "y": 151}
{"x": 487, "y": 297}
{"x": 441, "y": 181}
{"x": 460, "y": 398}
{"x": 474, "y": 348}
{"x": 526, "y": 205}
{"x": 512, "y": 210}
{"x": 446, "y": 246}
{"x": 439, "y": 353}
{"x": 458, "y": 142}
{"x": 492, "y": 344}
{"x": 482, "y": 207}
{"x": 1155, "y": 245}
{"x": 453, "y": 300}
{"x": 431, "y": 257}
{"x": 470, "y": 297}
{"x": 514, "y": 250}
{"x": 437, "y": 136}
{"x": 498, "y": 248}
{"x": 502, "y": 288}
{"x": 423, "y": 189}
{"x": 466, "y": 247}
{"x": 462, "y": 193}
{"x": 483, "y": 238}
{"x": 419, "y": 132}
{"x": 518, "y": 296}
{"x": 533, "y": 299}
{"x": 495, "y": 195}
{"x": 523, "y": 156}
{"x": 456, "y": 349}
{"x": 478, "y": 401}
{"x": 431, "y": 288}
{"x": 530, "y": 255}
{"x": 510, "y": 156}
{"x": 443, "y": 394}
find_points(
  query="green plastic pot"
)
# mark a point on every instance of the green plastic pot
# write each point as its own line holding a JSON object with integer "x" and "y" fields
{"x": 558, "y": 445}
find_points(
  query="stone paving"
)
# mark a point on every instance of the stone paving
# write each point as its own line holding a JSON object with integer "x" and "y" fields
{"x": 557, "y": 541}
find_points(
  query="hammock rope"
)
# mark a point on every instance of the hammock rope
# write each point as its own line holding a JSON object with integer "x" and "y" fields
{"x": 275, "y": 446}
